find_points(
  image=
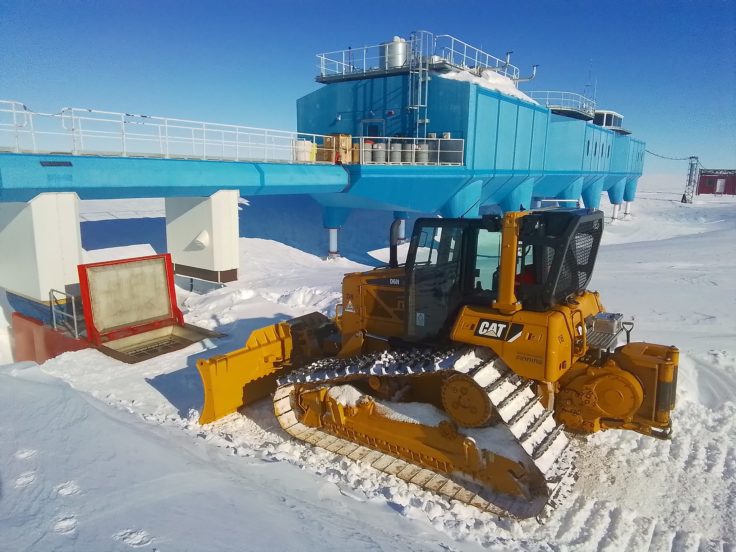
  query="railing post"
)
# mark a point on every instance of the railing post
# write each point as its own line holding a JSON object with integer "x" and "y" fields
{"x": 52, "y": 300}
{"x": 204, "y": 141}
{"x": 33, "y": 132}
{"x": 166, "y": 131}
{"x": 237, "y": 143}
{"x": 16, "y": 128}
{"x": 81, "y": 135}
{"x": 74, "y": 136}
{"x": 122, "y": 129}
{"x": 74, "y": 317}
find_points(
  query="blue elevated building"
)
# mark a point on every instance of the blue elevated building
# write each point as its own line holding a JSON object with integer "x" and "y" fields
{"x": 427, "y": 124}
{"x": 439, "y": 126}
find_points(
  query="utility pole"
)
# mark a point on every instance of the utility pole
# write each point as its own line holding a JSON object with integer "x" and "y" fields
{"x": 692, "y": 180}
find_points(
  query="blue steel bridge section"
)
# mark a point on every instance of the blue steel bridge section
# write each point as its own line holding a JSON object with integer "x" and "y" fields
{"x": 24, "y": 176}
{"x": 505, "y": 150}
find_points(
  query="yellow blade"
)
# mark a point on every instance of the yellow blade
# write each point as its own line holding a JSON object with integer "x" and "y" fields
{"x": 245, "y": 375}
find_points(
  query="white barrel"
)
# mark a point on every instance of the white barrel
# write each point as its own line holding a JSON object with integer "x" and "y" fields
{"x": 367, "y": 154}
{"x": 407, "y": 153}
{"x": 303, "y": 150}
{"x": 395, "y": 153}
{"x": 423, "y": 153}
{"x": 379, "y": 153}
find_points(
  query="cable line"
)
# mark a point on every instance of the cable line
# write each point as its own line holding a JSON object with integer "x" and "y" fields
{"x": 666, "y": 157}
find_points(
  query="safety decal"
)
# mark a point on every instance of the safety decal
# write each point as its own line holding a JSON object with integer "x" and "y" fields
{"x": 385, "y": 282}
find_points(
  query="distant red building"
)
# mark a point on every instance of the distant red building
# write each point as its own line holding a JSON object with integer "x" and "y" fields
{"x": 717, "y": 182}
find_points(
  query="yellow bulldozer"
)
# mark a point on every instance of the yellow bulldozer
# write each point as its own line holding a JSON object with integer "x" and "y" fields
{"x": 463, "y": 369}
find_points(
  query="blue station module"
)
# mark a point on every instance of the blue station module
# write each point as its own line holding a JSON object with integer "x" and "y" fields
{"x": 501, "y": 146}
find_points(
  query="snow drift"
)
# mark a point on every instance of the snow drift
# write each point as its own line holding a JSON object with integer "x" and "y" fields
{"x": 95, "y": 455}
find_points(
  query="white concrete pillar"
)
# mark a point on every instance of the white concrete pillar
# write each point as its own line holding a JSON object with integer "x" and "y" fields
{"x": 402, "y": 231}
{"x": 334, "y": 252}
{"x": 202, "y": 236}
{"x": 40, "y": 245}
{"x": 627, "y": 210}
{"x": 616, "y": 209}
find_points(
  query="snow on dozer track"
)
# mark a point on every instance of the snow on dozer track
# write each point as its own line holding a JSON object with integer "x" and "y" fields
{"x": 515, "y": 465}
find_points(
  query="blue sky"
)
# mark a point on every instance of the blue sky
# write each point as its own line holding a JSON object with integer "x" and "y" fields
{"x": 668, "y": 66}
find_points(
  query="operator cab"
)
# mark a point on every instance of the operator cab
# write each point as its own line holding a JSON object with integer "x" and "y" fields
{"x": 456, "y": 262}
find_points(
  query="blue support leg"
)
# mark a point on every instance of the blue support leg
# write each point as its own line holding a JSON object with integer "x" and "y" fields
{"x": 520, "y": 198}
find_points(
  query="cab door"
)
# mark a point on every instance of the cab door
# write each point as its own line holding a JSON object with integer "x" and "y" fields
{"x": 434, "y": 271}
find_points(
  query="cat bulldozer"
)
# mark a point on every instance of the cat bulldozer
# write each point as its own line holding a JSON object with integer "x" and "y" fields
{"x": 464, "y": 370}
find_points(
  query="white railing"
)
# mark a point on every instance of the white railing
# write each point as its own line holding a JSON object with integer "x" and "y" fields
{"x": 422, "y": 47}
{"x": 564, "y": 100}
{"x": 376, "y": 150}
{"x": 59, "y": 315}
{"x": 91, "y": 132}
{"x": 462, "y": 55}
{"x": 353, "y": 61}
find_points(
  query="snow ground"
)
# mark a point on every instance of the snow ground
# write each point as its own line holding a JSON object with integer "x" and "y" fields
{"x": 97, "y": 455}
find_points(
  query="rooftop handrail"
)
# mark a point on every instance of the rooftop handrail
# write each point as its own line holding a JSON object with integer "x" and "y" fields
{"x": 461, "y": 54}
{"x": 441, "y": 48}
{"x": 353, "y": 60}
{"x": 559, "y": 98}
{"x": 81, "y": 131}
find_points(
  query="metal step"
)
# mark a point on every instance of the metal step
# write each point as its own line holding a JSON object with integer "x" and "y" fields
{"x": 546, "y": 442}
{"x": 535, "y": 425}
{"x": 515, "y": 393}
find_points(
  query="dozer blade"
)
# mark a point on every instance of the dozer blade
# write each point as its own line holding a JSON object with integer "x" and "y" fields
{"x": 246, "y": 375}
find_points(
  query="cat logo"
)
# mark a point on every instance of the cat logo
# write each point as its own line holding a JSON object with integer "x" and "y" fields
{"x": 394, "y": 281}
{"x": 498, "y": 329}
{"x": 491, "y": 329}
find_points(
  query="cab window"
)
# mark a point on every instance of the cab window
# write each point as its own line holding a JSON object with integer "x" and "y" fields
{"x": 438, "y": 246}
{"x": 487, "y": 258}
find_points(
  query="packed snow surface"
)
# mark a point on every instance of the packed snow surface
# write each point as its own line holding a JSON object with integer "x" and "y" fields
{"x": 490, "y": 80}
{"x": 99, "y": 455}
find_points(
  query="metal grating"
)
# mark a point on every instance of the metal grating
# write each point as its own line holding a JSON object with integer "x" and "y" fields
{"x": 577, "y": 265}
{"x": 158, "y": 347}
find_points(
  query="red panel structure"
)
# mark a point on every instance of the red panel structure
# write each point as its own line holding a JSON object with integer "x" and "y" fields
{"x": 38, "y": 342}
{"x": 130, "y": 309}
{"x": 97, "y": 297}
{"x": 720, "y": 181}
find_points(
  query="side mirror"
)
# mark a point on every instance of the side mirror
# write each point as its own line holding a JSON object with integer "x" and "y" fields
{"x": 393, "y": 240}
